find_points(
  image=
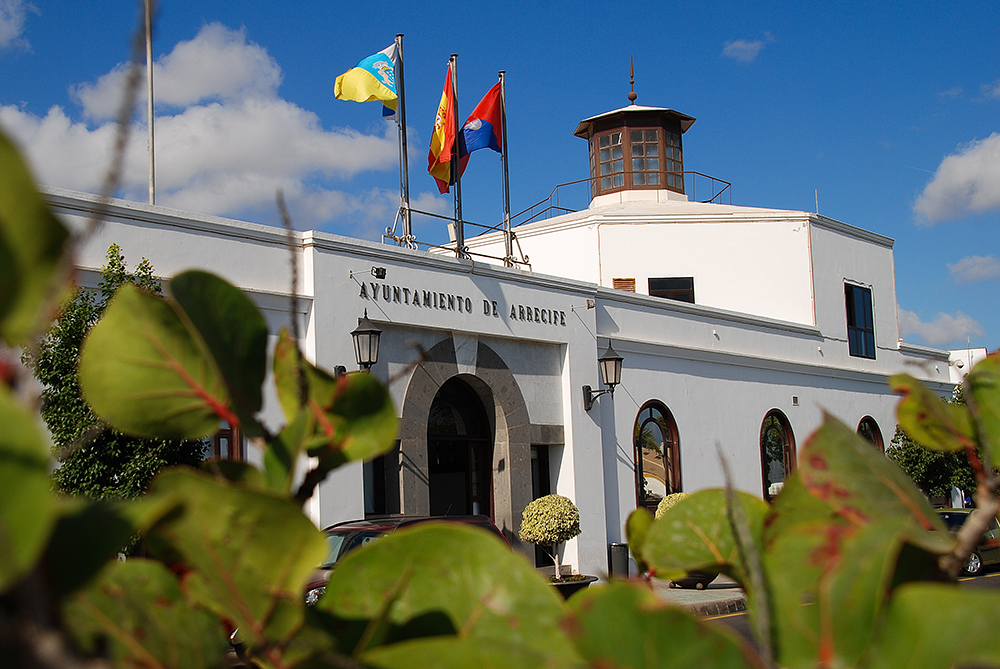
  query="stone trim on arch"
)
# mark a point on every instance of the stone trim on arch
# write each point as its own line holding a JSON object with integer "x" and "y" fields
{"x": 504, "y": 403}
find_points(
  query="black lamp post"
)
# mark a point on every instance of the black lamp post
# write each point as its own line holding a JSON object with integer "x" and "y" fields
{"x": 611, "y": 374}
{"x": 366, "y": 339}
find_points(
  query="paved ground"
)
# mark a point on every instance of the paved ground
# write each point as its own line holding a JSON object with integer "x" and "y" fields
{"x": 722, "y": 596}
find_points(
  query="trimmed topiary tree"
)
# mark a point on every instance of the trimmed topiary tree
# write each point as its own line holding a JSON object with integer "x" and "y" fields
{"x": 549, "y": 521}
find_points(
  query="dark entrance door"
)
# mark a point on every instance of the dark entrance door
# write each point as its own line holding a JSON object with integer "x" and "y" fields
{"x": 459, "y": 452}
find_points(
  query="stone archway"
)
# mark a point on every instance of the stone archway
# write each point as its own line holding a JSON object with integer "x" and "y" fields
{"x": 494, "y": 383}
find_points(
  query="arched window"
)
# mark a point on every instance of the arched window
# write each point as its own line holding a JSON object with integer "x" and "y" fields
{"x": 657, "y": 455}
{"x": 868, "y": 429}
{"x": 777, "y": 452}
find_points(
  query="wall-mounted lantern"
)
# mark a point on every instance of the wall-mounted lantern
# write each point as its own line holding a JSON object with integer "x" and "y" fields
{"x": 366, "y": 339}
{"x": 611, "y": 374}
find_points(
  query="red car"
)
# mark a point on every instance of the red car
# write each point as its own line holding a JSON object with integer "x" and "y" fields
{"x": 342, "y": 538}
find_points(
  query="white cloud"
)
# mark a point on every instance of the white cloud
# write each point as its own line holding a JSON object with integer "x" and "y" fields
{"x": 745, "y": 50}
{"x": 13, "y": 16}
{"x": 942, "y": 331}
{"x": 975, "y": 268}
{"x": 217, "y": 65}
{"x": 991, "y": 90}
{"x": 229, "y": 144}
{"x": 966, "y": 182}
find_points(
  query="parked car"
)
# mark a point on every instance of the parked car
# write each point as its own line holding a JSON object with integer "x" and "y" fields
{"x": 987, "y": 551}
{"x": 344, "y": 537}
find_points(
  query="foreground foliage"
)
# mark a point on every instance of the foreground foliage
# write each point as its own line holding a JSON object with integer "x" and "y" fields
{"x": 849, "y": 567}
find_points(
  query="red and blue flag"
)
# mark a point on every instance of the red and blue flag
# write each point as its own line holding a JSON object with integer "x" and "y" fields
{"x": 484, "y": 129}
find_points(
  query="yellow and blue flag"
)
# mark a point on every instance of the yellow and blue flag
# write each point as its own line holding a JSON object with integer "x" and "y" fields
{"x": 374, "y": 78}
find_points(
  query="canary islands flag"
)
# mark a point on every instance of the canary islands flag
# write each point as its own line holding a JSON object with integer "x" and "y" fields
{"x": 374, "y": 78}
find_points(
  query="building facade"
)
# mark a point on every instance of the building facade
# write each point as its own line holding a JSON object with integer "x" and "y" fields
{"x": 788, "y": 315}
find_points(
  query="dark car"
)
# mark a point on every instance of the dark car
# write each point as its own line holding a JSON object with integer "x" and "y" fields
{"x": 342, "y": 538}
{"x": 987, "y": 551}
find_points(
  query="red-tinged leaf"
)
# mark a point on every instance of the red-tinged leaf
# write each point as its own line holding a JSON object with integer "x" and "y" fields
{"x": 861, "y": 485}
{"x": 234, "y": 332}
{"x": 929, "y": 420}
{"x": 828, "y": 584}
{"x": 144, "y": 372}
{"x": 136, "y": 612}
{"x": 248, "y": 554}
{"x": 350, "y": 417}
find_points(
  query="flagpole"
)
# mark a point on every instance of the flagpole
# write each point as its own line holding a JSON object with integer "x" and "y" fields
{"x": 149, "y": 99}
{"x": 404, "y": 183}
{"x": 456, "y": 169}
{"x": 508, "y": 238}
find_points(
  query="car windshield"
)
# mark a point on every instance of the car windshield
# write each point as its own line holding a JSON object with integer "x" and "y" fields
{"x": 952, "y": 519}
{"x": 341, "y": 542}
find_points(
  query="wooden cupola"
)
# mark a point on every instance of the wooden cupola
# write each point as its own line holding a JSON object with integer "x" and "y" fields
{"x": 636, "y": 148}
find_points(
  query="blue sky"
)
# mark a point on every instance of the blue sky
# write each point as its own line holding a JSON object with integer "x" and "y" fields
{"x": 890, "y": 111}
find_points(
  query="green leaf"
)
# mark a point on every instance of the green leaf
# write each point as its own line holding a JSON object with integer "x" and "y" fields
{"x": 984, "y": 387}
{"x": 636, "y": 530}
{"x": 27, "y": 509}
{"x": 829, "y": 582}
{"x": 860, "y": 484}
{"x": 235, "y": 333}
{"x": 461, "y": 653}
{"x": 138, "y": 608}
{"x": 486, "y": 592}
{"x": 937, "y": 626}
{"x": 89, "y": 534}
{"x": 283, "y": 452}
{"x": 351, "y": 417}
{"x": 695, "y": 535}
{"x": 144, "y": 373}
{"x": 929, "y": 420}
{"x": 248, "y": 554}
{"x": 626, "y": 625}
{"x": 33, "y": 272}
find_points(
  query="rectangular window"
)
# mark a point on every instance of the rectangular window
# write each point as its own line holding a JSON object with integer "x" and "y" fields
{"x": 860, "y": 322}
{"x": 227, "y": 443}
{"x": 676, "y": 288}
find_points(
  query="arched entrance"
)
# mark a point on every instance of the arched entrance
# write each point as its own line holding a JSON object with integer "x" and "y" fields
{"x": 459, "y": 452}
{"x": 483, "y": 371}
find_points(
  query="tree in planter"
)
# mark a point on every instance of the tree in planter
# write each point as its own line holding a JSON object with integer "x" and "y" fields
{"x": 97, "y": 461}
{"x": 548, "y": 522}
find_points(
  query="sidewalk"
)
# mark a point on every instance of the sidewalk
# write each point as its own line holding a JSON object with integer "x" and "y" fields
{"x": 722, "y": 596}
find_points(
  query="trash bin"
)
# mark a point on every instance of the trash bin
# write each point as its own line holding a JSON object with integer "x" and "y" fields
{"x": 618, "y": 560}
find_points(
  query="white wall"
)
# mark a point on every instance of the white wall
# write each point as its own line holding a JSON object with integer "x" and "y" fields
{"x": 755, "y": 267}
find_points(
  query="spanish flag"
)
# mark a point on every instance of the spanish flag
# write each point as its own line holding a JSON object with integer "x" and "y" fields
{"x": 443, "y": 140}
{"x": 374, "y": 78}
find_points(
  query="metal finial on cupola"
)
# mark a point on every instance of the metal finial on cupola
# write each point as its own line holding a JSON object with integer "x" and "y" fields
{"x": 631, "y": 80}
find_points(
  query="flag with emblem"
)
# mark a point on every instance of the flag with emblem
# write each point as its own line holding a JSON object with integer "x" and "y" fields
{"x": 374, "y": 78}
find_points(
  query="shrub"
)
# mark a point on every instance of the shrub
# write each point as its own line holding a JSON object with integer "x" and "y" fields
{"x": 669, "y": 501}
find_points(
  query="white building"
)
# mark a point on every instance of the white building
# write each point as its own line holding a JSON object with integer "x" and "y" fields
{"x": 779, "y": 315}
